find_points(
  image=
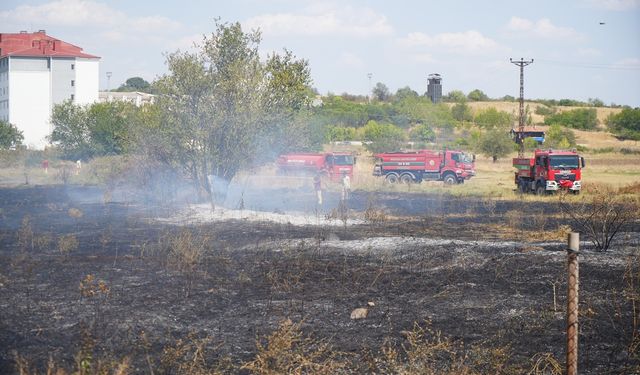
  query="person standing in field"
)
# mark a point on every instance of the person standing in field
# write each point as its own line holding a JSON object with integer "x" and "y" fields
{"x": 317, "y": 185}
{"x": 346, "y": 186}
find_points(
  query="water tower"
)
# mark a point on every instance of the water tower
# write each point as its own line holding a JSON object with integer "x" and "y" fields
{"x": 434, "y": 87}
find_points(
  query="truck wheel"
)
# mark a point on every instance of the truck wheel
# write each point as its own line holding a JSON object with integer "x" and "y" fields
{"x": 523, "y": 187}
{"x": 575, "y": 192}
{"x": 392, "y": 178}
{"x": 407, "y": 178}
{"x": 449, "y": 179}
{"x": 540, "y": 190}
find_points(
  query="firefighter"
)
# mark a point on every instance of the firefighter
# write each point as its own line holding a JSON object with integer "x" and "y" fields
{"x": 346, "y": 186}
{"x": 317, "y": 185}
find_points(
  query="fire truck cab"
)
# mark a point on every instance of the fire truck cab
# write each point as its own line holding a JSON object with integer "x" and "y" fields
{"x": 549, "y": 171}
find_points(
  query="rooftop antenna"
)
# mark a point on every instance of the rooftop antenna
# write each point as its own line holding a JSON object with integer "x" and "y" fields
{"x": 520, "y": 136}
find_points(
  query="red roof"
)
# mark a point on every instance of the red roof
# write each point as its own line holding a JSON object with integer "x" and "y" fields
{"x": 38, "y": 44}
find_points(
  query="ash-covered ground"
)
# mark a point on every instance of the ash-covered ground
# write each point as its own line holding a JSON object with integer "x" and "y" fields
{"x": 136, "y": 277}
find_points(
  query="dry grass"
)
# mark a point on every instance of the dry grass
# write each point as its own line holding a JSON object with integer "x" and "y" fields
{"x": 185, "y": 249}
{"x": 67, "y": 244}
{"x": 288, "y": 351}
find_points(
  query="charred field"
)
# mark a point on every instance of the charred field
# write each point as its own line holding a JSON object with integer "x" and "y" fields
{"x": 85, "y": 284}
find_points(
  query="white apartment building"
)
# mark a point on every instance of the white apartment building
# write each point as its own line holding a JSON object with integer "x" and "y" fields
{"x": 37, "y": 72}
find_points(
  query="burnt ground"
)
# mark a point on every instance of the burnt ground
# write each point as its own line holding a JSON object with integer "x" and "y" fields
{"x": 434, "y": 260}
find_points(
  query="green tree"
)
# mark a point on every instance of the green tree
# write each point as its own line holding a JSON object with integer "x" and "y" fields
{"x": 71, "y": 133}
{"x": 223, "y": 109}
{"x": 83, "y": 132}
{"x": 581, "y": 118}
{"x": 383, "y": 137}
{"x": 626, "y": 124}
{"x": 135, "y": 84}
{"x": 420, "y": 110}
{"x": 339, "y": 133}
{"x": 10, "y": 136}
{"x": 595, "y": 102}
{"x": 422, "y": 133}
{"x": 491, "y": 118}
{"x": 496, "y": 144}
{"x": 336, "y": 110}
{"x": 478, "y": 96}
{"x": 461, "y": 112}
{"x": 559, "y": 137}
{"x": 381, "y": 92}
{"x": 405, "y": 92}
{"x": 455, "y": 96}
{"x": 108, "y": 125}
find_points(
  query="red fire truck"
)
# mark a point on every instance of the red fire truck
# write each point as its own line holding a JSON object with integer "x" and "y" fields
{"x": 549, "y": 171}
{"x": 450, "y": 166}
{"x": 330, "y": 164}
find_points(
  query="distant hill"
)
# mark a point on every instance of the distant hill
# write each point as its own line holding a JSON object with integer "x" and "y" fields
{"x": 513, "y": 107}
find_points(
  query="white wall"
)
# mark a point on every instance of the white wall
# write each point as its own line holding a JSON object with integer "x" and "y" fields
{"x": 87, "y": 77}
{"x": 30, "y": 105}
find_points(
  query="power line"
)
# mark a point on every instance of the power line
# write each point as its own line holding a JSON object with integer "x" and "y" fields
{"x": 589, "y": 65}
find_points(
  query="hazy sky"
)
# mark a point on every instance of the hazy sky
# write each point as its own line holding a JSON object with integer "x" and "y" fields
{"x": 399, "y": 42}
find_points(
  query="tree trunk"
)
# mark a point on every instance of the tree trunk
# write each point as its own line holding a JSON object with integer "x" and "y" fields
{"x": 495, "y": 158}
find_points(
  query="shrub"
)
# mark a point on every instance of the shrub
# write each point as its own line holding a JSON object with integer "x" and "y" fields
{"x": 559, "y": 137}
{"x": 289, "y": 351}
{"x": 581, "y": 118}
{"x": 601, "y": 216}
{"x": 626, "y": 124}
{"x": 543, "y": 110}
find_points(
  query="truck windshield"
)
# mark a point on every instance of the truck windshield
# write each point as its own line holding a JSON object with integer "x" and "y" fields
{"x": 342, "y": 159}
{"x": 462, "y": 158}
{"x": 467, "y": 158}
{"x": 564, "y": 162}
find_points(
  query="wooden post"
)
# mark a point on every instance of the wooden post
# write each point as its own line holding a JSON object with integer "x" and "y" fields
{"x": 572, "y": 302}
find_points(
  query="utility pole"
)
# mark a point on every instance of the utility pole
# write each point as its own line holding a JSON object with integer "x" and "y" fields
{"x": 521, "y": 120}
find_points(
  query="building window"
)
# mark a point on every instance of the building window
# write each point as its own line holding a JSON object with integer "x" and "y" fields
{"x": 73, "y": 83}
{"x": 73, "y": 66}
{"x": 73, "y": 97}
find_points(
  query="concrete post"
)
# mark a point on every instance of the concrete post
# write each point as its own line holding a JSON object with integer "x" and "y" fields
{"x": 572, "y": 302}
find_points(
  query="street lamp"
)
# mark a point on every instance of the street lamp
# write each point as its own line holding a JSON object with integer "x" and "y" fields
{"x": 369, "y": 75}
{"x": 109, "y": 74}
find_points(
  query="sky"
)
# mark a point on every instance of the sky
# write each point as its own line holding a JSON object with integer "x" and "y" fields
{"x": 581, "y": 49}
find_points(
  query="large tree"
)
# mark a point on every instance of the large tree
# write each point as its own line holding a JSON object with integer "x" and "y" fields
{"x": 381, "y": 92}
{"x": 223, "y": 109}
{"x": 83, "y": 132}
{"x": 496, "y": 144}
{"x": 491, "y": 118}
{"x": 135, "y": 84}
{"x": 10, "y": 136}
